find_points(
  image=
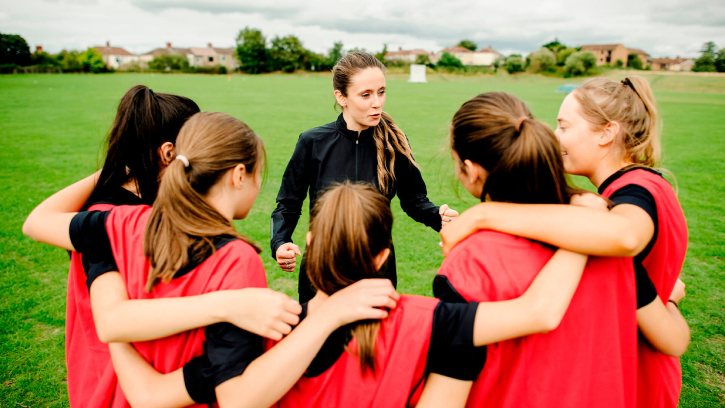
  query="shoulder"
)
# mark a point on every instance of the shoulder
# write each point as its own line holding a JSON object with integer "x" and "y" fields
{"x": 130, "y": 213}
{"x": 242, "y": 265}
{"x": 417, "y": 302}
{"x": 318, "y": 132}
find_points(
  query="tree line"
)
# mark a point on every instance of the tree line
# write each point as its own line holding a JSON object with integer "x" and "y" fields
{"x": 15, "y": 54}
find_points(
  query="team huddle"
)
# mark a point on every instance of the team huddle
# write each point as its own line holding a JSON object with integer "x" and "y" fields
{"x": 549, "y": 296}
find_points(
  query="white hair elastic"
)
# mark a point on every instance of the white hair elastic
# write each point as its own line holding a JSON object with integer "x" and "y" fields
{"x": 183, "y": 160}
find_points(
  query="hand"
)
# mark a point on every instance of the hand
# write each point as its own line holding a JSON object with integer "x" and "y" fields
{"x": 286, "y": 256}
{"x": 590, "y": 200}
{"x": 261, "y": 311}
{"x": 457, "y": 230}
{"x": 678, "y": 293}
{"x": 447, "y": 214}
{"x": 362, "y": 300}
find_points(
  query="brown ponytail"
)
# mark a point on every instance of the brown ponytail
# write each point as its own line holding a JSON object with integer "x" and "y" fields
{"x": 182, "y": 221}
{"x": 350, "y": 225}
{"x": 389, "y": 139}
{"x": 629, "y": 103}
{"x": 521, "y": 155}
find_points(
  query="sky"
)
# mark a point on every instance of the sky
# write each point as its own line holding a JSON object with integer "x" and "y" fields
{"x": 663, "y": 28}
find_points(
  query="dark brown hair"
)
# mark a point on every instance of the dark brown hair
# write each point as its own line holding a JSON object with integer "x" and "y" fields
{"x": 524, "y": 165}
{"x": 389, "y": 139}
{"x": 144, "y": 121}
{"x": 629, "y": 103}
{"x": 182, "y": 221}
{"x": 350, "y": 225}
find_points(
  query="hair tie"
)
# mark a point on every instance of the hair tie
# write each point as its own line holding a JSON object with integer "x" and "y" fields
{"x": 520, "y": 122}
{"x": 183, "y": 160}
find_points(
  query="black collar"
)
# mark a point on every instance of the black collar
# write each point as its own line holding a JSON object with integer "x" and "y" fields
{"x": 352, "y": 134}
{"x": 622, "y": 172}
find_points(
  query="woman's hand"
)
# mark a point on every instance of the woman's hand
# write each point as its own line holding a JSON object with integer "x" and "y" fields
{"x": 590, "y": 200}
{"x": 678, "y": 293}
{"x": 286, "y": 256}
{"x": 261, "y": 311}
{"x": 364, "y": 299}
{"x": 447, "y": 214}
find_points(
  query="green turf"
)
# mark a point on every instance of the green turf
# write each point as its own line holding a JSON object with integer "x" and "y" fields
{"x": 51, "y": 127}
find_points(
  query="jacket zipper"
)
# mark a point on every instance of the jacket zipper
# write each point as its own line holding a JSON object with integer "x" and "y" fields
{"x": 356, "y": 145}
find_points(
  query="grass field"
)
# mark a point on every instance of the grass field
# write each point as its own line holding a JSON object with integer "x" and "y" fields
{"x": 51, "y": 127}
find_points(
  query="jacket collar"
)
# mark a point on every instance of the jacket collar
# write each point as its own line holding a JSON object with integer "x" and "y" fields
{"x": 342, "y": 127}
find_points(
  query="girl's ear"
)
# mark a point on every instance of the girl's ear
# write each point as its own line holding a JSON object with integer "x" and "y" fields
{"x": 472, "y": 171}
{"x": 167, "y": 153}
{"x": 308, "y": 237}
{"x": 609, "y": 135}
{"x": 341, "y": 100}
{"x": 380, "y": 258}
{"x": 239, "y": 172}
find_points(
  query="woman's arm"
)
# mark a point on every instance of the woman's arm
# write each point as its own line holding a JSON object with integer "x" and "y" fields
{"x": 413, "y": 194}
{"x": 442, "y": 391}
{"x": 663, "y": 326}
{"x": 258, "y": 310}
{"x": 624, "y": 231}
{"x": 540, "y": 309}
{"x": 49, "y": 222}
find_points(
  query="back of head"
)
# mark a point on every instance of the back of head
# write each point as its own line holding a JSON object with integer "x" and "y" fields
{"x": 350, "y": 224}
{"x": 521, "y": 155}
{"x": 144, "y": 121}
{"x": 631, "y": 104}
{"x": 388, "y": 137}
{"x": 182, "y": 220}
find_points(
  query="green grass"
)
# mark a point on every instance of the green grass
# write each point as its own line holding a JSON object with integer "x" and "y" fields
{"x": 51, "y": 127}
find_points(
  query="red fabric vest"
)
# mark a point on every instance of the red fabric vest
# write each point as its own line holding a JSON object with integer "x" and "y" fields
{"x": 86, "y": 357}
{"x": 401, "y": 357}
{"x": 659, "y": 377}
{"x": 235, "y": 266}
{"x": 588, "y": 361}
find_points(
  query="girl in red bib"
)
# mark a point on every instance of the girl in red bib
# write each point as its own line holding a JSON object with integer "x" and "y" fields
{"x": 608, "y": 133}
{"x": 186, "y": 245}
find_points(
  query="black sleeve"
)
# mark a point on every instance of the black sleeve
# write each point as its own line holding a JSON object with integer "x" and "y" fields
{"x": 89, "y": 237}
{"x": 452, "y": 353}
{"x": 646, "y": 291}
{"x": 96, "y": 266}
{"x": 292, "y": 193}
{"x": 230, "y": 351}
{"x": 639, "y": 196}
{"x": 200, "y": 387}
{"x": 413, "y": 194}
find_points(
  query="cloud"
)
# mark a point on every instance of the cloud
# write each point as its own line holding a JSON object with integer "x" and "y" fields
{"x": 697, "y": 12}
{"x": 277, "y": 10}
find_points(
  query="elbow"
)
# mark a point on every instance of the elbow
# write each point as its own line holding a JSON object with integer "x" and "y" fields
{"x": 28, "y": 229}
{"x": 107, "y": 335}
{"x": 630, "y": 245}
{"x": 678, "y": 349}
{"x": 146, "y": 398}
{"x": 548, "y": 317}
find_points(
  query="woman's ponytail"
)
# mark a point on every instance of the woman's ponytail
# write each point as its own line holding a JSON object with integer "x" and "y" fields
{"x": 182, "y": 221}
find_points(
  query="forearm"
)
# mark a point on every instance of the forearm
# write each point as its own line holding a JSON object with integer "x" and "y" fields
{"x": 284, "y": 221}
{"x": 575, "y": 228}
{"x": 271, "y": 375}
{"x": 423, "y": 211}
{"x": 142, "y": 385}
{"x": 664, "y": 327}
{"x": 50, "y": 220}
{"x": 540, "y": 309}
{"x": 441, "y": 391}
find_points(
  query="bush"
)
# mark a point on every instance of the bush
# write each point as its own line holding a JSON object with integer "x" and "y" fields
{"x": 513, "y": 63}
{"x": 214, "y": 69}
{"x": 422, "y": 59}
{"x": 580, "y": 63}
{"x": 169, "y": 63}
{"x": 449, "y": 61}
{"x": 634, "y": 62}
{"x": 563, "y": 54}
{"x": 618, "y": 63}
{"x": 541, "y": 60}
{"x": 8, "y": 68}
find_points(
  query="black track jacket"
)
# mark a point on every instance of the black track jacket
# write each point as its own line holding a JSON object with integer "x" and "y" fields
{"x": 331, "y": 154}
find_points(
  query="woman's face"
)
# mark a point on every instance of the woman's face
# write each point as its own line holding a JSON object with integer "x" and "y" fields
{"x": 580, "y": 146}
{"x": 365, "y": 98}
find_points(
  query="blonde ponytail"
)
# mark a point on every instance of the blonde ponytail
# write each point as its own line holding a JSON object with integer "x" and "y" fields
{"x": 182, "y": 221}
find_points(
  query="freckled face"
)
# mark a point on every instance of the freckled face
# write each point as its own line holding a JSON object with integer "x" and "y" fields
{"x": 580, "y": 150}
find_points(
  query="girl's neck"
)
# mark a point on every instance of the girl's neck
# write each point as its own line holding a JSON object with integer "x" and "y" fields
{"x": 316, "y": 301}
{"x": 605, "y": 170}
{"x": 132, "y": 186}
{"x": 352, "y": 123}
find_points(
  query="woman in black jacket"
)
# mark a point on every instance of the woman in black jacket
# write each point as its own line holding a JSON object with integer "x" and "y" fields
{"x": 363, "y": 145}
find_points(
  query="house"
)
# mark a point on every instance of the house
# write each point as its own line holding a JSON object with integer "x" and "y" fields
{"x": 210, "y": 56}
{"x": 168, "y": 50}
{"x": 116, "y": 57}
{"x": 405, "y": 55}
{"x": 227, "y": 58}
{"x": 669, "y": 64}
{"x": 609, "y": 54}
{"x": 483, "y": 57}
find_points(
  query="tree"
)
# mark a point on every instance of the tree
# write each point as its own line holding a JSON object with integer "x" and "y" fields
{"x": 706, "y": 62}
{"x": 580, "y": 63}
{"x": 14, "y": 50}
{"x": 169, "y": 62}
{"x": 633, "y": 61}
{"x": 541, "y": 60}
{"x": 252, "y": 51}
{"x": 335, "y": 54}
{"x": 422, "y": 59}
{"x": 92, "y": 61}
{"x": 381, "y": 55}
{"x": 287, "y": 54}
{"x": 449, "y": 61}
{"x": 513, "y": 63}
{"x": 720, "y": 61}
{"x": 563, "y": 54}
{"x": 44, "y": 59}
{"x": 468, "y": 44}
{"x": 555, "y": 46}
{"x": 69, "y": 61}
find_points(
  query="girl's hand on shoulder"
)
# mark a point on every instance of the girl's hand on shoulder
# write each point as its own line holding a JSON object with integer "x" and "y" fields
{"x": 261, "y": 311}
{"x": 458, "y": 229}
{"x": 590, "y": 200}
{"x": 678, "y": 293}
{"x": 364, "y": 299}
